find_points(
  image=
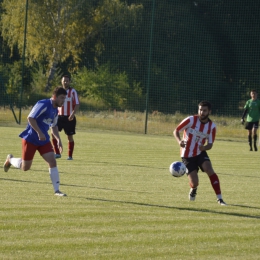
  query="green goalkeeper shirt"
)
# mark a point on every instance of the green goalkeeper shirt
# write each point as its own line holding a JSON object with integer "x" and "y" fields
{"x": 253, "y": 110}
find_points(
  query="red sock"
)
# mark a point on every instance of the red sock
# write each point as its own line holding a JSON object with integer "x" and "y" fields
{"x": 70, "y": 148}
{"x": 215, "y": 183}
{"x": 55, "y": 146}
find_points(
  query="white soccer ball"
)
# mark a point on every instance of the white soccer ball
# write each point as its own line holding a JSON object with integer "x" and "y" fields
{"x": 177, "y": 169}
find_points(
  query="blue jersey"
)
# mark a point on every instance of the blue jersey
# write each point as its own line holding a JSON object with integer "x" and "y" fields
{"x": 46, "y": 116}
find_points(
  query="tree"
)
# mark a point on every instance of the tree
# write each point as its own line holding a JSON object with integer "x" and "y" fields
{"x": 108, "y": 86}
{"x": 58, "y": 29}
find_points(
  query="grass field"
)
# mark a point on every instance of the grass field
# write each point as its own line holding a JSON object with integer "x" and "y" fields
{"x": 123, "y": 203}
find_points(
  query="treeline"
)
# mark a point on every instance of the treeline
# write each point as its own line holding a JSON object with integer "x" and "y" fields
{"x": 158, "y": 55}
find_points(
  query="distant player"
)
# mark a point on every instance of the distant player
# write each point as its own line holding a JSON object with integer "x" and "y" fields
{"x": 198, "y": 137}
{"x": 252, "y": 109}
{"x": 44, "y": 115}
{"x": 67, "y": 119}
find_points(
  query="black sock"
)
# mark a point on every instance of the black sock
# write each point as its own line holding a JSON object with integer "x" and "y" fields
{"x": 250, "y": 141}
{"x": 255, "y": 139}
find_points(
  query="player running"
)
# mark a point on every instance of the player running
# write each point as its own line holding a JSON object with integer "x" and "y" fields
{"x": 44, "y": 115}
{"x": 198, "y": 137}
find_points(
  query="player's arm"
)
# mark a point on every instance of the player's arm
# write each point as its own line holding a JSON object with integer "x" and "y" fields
{"x": 210, "y": 140}
{"x": 183, "y": 125}
{"x": 177, "y": 136}
{"x": 76, "y": 108}
{"x": 205, "y": 147}
{"x": 55, "y": 133}
{"x": 32, "y": 121}
{"x": 243, "y": 116}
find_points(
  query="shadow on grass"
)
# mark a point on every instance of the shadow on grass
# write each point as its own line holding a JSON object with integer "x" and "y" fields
{"x": 179, "y": 208}
{"x": 146, "y": 204}
{"x": 243, "y": 206}
{"x": 162, "y": 168}
{"x": 141, "y": 166}
{"x": 130, "y": 165}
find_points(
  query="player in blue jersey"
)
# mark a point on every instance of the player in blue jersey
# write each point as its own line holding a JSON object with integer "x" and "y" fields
{"x": 35, "y": 137}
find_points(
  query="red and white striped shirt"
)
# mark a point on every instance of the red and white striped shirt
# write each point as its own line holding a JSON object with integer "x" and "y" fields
{"x": 195, "y": 134}
{"x": 70, "y": 102}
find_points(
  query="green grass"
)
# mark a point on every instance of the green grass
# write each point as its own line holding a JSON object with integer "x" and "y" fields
{"x": 123, "y": 203}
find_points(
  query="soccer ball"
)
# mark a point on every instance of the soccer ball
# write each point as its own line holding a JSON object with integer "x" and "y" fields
{"x": 177, "y": 169}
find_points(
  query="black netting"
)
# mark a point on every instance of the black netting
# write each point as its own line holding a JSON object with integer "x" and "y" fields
{"x": 131, "y": 60}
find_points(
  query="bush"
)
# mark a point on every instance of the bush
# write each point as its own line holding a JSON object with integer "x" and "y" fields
{"x": 110, "y": 88}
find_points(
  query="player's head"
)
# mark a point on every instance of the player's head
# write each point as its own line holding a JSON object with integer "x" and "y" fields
{"x": 58, "y": 96}
{"x": 204, "y": 110}
{"x": 253, "y": 94}
{"x": 65, "y": 81}
{"x": 205, "y": 104}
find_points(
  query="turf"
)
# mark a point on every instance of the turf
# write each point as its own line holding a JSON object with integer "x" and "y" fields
{"x": 123, "y": 203}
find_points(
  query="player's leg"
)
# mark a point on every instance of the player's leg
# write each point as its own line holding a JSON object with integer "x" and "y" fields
{"x": 54, "y": 141}
{"x": 192, "y": 173}
{"x": 70, "y": 147}
{"x": 206, "y": 166}
{"x": 254, "y": 133}
{"x": 249, "y": 127}
{"x": 70, "y": 130}
{"x": 11, "y": 161}
{"x": 193, "y": 179}
{"x": 24, "y": 163}
{"x": 28, "y": 152}
{"x": 55, "y": 147}
{"x": 194, "y": 183}
{"x": 250, "y": 140}
{"x": 46, "y": 151}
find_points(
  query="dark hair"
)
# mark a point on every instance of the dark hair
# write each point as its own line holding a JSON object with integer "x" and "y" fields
{"x": 205, "y": 104}
{"x": 253, "y": 90}
{"x": 59, "y": 91}
{"x": 66, "y": 76}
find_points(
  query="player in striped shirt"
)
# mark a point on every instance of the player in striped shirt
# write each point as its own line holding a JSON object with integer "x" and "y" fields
{"x": 198, "y": 136}
{"x": 67, "y": 119}
{"x": 35, "y": 137}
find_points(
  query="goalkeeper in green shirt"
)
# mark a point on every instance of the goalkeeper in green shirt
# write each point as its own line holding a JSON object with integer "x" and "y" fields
{"x": 252, "y": 110}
